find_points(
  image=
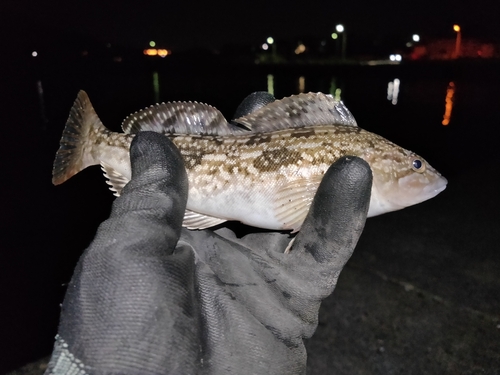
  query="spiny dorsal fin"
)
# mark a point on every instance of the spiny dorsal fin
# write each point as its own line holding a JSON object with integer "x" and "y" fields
{"x": 180, "y": 118}
{"x": 297, "y": 111}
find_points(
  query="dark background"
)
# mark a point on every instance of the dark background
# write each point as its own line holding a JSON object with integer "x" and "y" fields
{"x": 213, "y": 24}
{"x": 421, "y": 293}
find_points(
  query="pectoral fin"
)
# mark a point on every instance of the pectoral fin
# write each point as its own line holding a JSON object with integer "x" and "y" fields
{"x": 293, "y": 202}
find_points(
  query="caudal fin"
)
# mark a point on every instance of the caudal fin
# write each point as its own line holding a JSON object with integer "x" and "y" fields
{"x": 75, "y": 146}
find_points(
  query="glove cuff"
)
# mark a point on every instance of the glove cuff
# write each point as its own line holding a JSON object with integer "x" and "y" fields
{"x": 64, "y": 362}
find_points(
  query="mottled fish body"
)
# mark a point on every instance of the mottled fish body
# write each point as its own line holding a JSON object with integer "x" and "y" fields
{"x": 264, "y": 173}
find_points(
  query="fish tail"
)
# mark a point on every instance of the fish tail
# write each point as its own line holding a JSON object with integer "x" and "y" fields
{"x": 78, "y": 140}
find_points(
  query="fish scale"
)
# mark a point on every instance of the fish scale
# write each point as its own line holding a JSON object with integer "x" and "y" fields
{"x": 263, "y": 172}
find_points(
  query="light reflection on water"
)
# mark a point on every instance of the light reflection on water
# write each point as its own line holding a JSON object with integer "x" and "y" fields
{"x": 335, "y": 91}
{"x": 270, "y": 84}
{"x": 450, "y": 93}
{"x": 156, "y": 87}
{"x": 41, "y": 102}
{"x": 302, "y": 84}
{"x": 393, "y": 91}
{"x": 366, "y": 89}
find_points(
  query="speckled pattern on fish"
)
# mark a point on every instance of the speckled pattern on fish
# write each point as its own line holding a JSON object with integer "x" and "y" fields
{"x": 264, "y": 171}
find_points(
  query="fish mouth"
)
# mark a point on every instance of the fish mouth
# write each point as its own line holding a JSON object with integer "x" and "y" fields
{"x": 437, "y": 187}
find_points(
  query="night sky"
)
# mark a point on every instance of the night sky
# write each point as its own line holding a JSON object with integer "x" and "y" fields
{"x": 215, "y": 23}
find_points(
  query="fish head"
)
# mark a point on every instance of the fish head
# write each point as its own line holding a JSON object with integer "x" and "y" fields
{"x": 401, "y": 179}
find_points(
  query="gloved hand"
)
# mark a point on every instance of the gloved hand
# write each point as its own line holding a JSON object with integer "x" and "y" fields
{"x": 148, "y": 297}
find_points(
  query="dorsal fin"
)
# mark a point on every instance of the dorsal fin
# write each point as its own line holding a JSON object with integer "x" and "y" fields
{"x": 180, "y": 118}
{"x": 296, "y": 111}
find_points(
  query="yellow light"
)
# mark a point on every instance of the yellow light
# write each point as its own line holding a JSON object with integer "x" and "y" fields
{"x": 151, "y": 52}
{"x": 335, "y": 35}
{"x": 456, "y": 28}
{"x": 162, "y": 52}
{"x": 270, "y": 40}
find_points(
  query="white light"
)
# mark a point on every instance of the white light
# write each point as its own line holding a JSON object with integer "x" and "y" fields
{"x": 339, "y": 28}
{"x": 390, "y": 90}
{"x": 393, "y": 91}
{"x": 34, "y": 53}
{"x": 392, "y": 57}
{"x": 270, "y": 40}
{"x": 398, "y": 57}
{"x": 416, "y": 38}
{"x": 265, "y": 47}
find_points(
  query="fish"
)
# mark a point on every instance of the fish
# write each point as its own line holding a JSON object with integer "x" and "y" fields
{"x": 261, "y": 169}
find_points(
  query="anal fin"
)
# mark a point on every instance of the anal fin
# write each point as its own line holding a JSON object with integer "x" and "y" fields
{"x": 192, "y": 220}
{"x": 195, "y": 220}
{"x": 114, "y": 179}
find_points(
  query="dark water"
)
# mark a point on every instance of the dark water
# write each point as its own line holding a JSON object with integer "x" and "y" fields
{"x": 45, "y": 228}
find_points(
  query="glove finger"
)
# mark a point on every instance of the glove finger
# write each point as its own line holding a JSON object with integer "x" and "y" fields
{"x": 125, "y": 307}
{"x": 253, "y": 102}
{"x": 155, "y": 198}
{"x": 338, "y": 213}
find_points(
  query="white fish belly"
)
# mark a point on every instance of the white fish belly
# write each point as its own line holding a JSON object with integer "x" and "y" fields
{"x": 250, "y": 207}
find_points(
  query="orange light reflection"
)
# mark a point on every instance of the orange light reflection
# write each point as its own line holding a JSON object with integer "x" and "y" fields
{"x": 450, "y": 93}
{"x": 162, "y": 52}
{"x": 151, "y": 52}
{"x": 157, "y": 52}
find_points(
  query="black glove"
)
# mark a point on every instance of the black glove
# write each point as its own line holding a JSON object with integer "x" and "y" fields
{"x": 148, "y": 297}
{"x": 253, "y": 102}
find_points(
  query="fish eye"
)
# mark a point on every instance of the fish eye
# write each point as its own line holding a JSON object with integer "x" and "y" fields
{"x": 418, "y": 165}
